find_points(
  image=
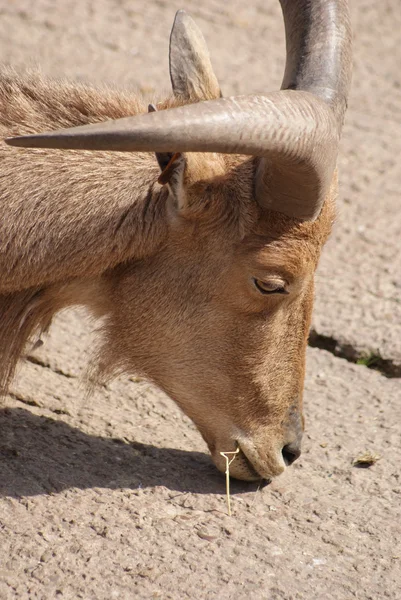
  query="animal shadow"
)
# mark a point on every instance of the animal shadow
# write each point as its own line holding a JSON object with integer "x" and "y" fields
{"x": 40, "y": 455}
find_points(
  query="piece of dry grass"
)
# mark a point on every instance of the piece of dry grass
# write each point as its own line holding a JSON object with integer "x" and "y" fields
{"x": 366, "y": 459}
{"x": 228, "y": 463}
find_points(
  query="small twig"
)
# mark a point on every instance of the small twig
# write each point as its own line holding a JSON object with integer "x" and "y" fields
{"x": 228, "y": 463}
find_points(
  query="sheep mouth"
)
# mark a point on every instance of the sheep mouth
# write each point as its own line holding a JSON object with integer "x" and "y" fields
{"x": 248, "y": 465}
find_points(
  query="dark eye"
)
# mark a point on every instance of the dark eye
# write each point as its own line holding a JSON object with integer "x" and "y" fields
{"x": 270, "y": 287}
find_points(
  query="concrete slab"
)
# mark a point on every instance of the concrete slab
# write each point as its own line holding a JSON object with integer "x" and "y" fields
{"x": 358, "y": 295}
{"x": 114, "y": 496}
{"x": 358, "y": 284}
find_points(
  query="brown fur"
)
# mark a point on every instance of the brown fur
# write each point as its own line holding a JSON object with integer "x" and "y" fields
{"x": 174, "y": 285}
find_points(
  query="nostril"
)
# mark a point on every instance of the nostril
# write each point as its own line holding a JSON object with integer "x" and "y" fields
{"x": 290, "y": 454}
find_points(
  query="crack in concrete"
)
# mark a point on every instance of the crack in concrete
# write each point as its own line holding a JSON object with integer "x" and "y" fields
{"x": 348, "y": 352}
{"x": 37, "y": 361}
{"x": 21, "y": 398}
{"x": 29, "y": 402}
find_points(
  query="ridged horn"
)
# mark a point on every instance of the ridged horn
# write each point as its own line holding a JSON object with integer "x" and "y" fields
{"x": 294, "y": 131}
{"x": 318, "y": 45}
{"x": 319, "y": 61}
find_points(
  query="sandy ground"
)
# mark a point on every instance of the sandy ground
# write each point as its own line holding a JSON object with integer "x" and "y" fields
{"x": 115, "y": 496}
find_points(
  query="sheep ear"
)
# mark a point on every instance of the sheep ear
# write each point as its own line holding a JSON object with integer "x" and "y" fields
{"x": 191, "y": 72}
{"x": 179, "y": 169}
{"x": 172, "y": 166}
{"x": 173, "y": 177}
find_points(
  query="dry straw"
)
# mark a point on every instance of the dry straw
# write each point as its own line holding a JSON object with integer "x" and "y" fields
{"x": 366, "y": 459}
{"x": 228, "y": 463}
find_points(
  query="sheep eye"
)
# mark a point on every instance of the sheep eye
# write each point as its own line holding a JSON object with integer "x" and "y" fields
{"x": 269, "y": 287}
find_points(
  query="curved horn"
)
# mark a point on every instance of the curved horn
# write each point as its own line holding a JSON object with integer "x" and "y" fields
{"x": 318, "y": 42}
{"x": 280, "y": 126}
{"x": 295, "y": 131}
